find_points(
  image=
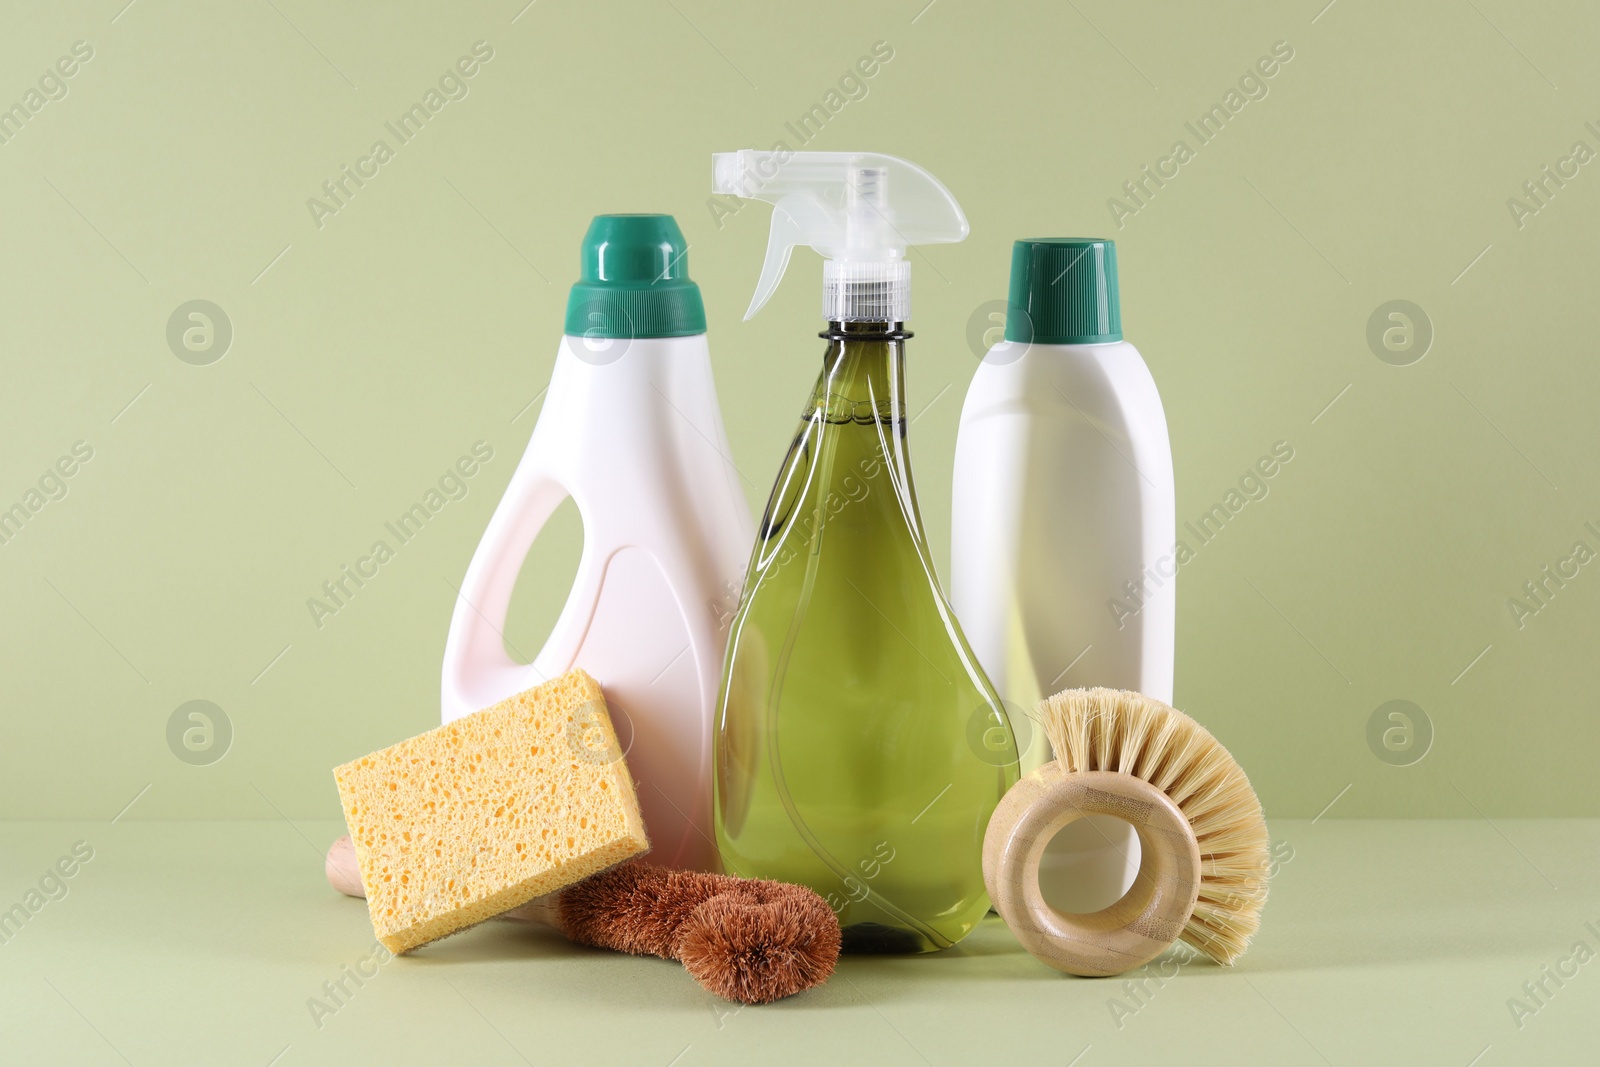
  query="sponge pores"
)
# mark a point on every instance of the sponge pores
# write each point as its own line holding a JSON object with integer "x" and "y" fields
{"x": 485, "y": 813}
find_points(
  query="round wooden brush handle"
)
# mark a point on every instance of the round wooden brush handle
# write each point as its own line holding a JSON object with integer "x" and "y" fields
{"x": 1131, "y": 932}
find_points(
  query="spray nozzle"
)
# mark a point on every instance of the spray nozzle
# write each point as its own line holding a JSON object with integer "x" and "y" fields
{"x": 861, "y": 211}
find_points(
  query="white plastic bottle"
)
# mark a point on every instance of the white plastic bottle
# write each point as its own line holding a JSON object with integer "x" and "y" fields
{"x": 1064, "y": 528}
{"x": 631, "y": 431}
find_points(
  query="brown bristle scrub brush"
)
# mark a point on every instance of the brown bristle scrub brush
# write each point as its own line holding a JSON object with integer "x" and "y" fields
{"x": 1202, "y": 835}
{"x": 744, "y": 939}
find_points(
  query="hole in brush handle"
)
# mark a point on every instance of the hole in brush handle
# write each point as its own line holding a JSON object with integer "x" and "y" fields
{"x": 1130, "y": 932}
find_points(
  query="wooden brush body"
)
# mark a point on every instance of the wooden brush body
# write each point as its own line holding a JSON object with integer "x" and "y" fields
{"x": 1204, "y": 850}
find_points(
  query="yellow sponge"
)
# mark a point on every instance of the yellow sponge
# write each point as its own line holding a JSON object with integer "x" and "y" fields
{"x": 485, "y": 813}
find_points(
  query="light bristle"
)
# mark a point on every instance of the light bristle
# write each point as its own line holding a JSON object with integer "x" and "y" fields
{"x": 1115, "y": 730}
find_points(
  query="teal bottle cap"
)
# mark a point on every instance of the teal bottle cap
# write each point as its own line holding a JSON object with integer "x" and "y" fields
{"x": 633, "y": 281}
{"x": 1063, "y": 292}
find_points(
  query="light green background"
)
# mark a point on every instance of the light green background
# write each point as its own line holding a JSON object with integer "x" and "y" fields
{"x": 370, "y": 353}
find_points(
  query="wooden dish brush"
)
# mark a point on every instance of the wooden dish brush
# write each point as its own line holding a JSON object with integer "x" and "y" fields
{"x": 744, "y": 939}
{"x": 1202, "y": 835}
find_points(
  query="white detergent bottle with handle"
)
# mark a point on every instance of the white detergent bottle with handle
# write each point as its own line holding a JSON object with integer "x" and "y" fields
{"x": 1063, "y": 546}
{"x": 630, "y": 430}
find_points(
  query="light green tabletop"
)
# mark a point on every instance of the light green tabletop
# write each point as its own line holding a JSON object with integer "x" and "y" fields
{"x": 1383, "y": 942}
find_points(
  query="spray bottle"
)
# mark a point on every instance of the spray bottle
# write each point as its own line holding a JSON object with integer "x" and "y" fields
{"x": 860, "y": 749}
{"x": 631, "y": 431}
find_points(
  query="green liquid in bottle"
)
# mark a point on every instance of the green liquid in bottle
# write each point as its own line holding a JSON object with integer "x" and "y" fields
{"x": 860, "y": 749}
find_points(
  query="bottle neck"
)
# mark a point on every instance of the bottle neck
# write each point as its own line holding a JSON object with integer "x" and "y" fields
{"x": 862, "y": 389}
{"x": 863, "y": 373}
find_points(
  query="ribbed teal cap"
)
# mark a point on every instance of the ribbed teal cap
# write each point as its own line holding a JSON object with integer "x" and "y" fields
{"x": 633, "y": 281}
{"x": 1063, "y": 292}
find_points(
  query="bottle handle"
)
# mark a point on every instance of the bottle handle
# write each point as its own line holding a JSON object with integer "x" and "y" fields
{"x": 477, "y": 671}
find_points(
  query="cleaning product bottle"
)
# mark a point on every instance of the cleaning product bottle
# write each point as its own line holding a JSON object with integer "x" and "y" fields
{"x": 860, "y": 750}
{"x": 630, "y": 430}
{"x": 1063, "y": 530}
